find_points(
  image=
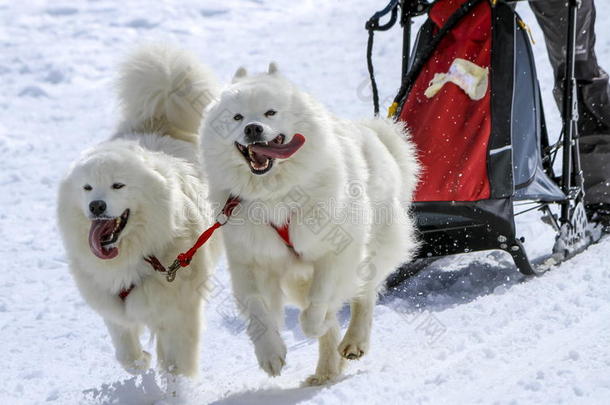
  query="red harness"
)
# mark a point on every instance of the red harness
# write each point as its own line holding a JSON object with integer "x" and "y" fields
{"x": 284, "y": 233}
{"x": 184, "y": 259}
{"x": 126, "y": 291}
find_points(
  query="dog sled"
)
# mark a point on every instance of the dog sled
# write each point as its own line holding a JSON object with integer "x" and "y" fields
{"x": 470, "y": 96}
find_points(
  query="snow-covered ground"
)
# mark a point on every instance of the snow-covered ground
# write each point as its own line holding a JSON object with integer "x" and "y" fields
{"x": 467, "y": 330}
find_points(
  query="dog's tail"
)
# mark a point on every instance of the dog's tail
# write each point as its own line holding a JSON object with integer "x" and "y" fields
{"x": 165, "y": 90}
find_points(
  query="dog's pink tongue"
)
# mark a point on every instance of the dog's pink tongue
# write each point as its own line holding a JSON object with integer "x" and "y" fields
{"x": 280, "y": 151}
{"x": 100, "y": 228}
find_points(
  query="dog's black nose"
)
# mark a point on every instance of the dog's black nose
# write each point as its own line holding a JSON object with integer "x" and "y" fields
{"x": 254, "y": 133}
{"x": 97, "y": 207}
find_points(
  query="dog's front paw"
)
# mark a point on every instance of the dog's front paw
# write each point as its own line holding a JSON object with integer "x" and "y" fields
{"x": 312, "y": 321}
{"x": 270, "y": 352}
{"x": 318, "y": 379}
{"x": 353, "y": 347}
{"x": 138, "y": 365}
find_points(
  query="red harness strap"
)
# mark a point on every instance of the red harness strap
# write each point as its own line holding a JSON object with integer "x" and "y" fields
{"x": 184, "y": 259}
{"x": 126, "y": 291}
{"x": 284, "y": 233}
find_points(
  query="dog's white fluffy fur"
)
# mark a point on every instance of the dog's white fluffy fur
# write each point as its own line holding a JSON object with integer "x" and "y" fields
{"x": 163, "y": 92}
{"x": 346, "y": 195}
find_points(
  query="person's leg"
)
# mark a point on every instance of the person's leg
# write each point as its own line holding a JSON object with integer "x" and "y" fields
{"x": 592, "y": 80}
{"x": 593, "y": 89}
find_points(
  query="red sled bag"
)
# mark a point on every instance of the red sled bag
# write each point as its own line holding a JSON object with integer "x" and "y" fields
{"x": 452, "y": 129}
{"x": 477, "y": 146}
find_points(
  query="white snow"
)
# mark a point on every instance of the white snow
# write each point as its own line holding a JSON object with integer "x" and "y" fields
{"x": 468, "y": 330}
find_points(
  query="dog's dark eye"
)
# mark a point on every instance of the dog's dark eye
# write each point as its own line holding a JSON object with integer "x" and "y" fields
{"x": 117, "y": 186}
{"x": 270, "y": 113}
{"x": 87, "y": 187}
{"x": 238, "y": 117}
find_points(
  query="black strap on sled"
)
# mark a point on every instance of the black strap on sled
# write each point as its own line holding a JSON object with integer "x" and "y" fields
{"x": 371, "y": 26}
{"x": 426, "y": 53}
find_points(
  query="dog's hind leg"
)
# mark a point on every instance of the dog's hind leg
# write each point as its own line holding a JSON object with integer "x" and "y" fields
{"x": 391, "y": 245}
{"x": 127, "y": 347}
{"x": 330, "y": 364}
{"x": 356, "y": 341}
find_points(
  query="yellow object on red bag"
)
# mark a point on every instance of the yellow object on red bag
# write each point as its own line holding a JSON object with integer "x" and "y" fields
{"x": 471, "y": 78}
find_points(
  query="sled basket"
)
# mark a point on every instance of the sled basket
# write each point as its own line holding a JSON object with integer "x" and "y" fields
{"x": 471, "y": 101}
{"x": 478, "y": 156}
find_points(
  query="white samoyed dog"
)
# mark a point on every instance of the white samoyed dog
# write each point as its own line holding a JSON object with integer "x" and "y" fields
{"x": 139, "y": 198}
{"x": 322, "y": 217}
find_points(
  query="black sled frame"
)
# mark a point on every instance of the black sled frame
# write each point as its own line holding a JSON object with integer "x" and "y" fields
{"x": 448, "y": 228}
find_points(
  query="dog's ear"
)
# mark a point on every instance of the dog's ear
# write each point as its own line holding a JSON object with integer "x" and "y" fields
{"x": 272, "y": 68}
{"x": 239, "y": 73}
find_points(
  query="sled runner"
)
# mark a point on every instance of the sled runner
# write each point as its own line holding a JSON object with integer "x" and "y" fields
{"x": 470, "y": 97}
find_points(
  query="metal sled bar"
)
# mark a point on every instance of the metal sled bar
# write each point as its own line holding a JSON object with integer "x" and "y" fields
{"x": 571, "y": 157}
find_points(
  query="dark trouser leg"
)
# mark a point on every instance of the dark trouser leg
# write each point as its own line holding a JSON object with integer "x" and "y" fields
{"x": 592, "y": 80}
{"x": 594, "y": 91}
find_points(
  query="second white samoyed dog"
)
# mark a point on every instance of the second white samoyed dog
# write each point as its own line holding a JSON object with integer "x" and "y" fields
{"x": 322, "y": 218}
{"x": 138, "y": 199}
